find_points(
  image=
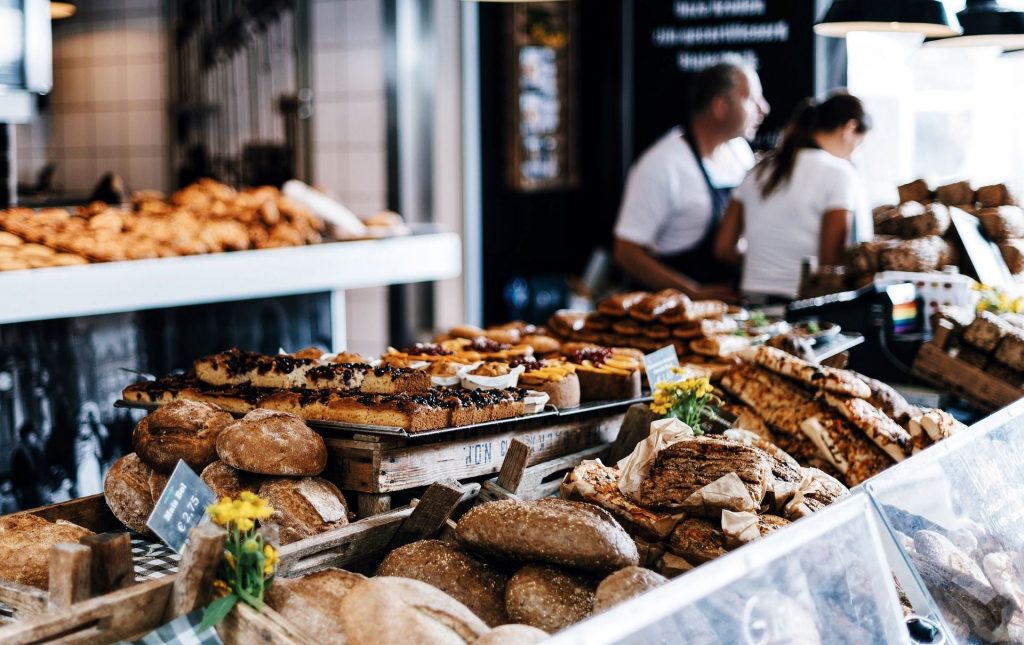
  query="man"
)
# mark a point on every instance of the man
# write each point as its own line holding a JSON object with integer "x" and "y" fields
{"x": 677, "y": 191}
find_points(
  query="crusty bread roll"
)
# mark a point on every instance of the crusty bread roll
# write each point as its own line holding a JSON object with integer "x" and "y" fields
{"x": 512, "y": 635}
{"x": 557, "y": 531}
{"x": 226, "y": 481}
{"x": 386, "y": 610}
{"x": 549, "y": 598}
{"x": 304, "y": 507}
{"x": 310, "y": 603}
{"x": 624, "y": 584}
{"x": 131, "y": 490}
{"x": 455, "y": 572}
{"x": 180, "y": 430}
{"x": 25, "y": 542}
{"x": 269, "y": 442}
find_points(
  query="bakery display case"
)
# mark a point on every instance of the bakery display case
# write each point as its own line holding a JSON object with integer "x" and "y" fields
{"x": 823, "y": 580}
{"x": 956, "y": 517}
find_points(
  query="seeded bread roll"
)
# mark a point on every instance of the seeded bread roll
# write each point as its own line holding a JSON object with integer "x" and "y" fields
{"x": 269, "y": 442}
{"x": 572, "y": 534}
{"x": 310, "y": 603}
{"x": 185, "y": 430}
{"x": 387, "y": 610}
{"x": 304, "y": 507}
{"x": 624, "y": 584}
{"x": 512, "y": 635}
{"x": 453, "y": 571}
{"x": 131, "y": 490}
{"x": 549, "y": 598}
{"x": 25, "y": 542}
{"x": 226, "y": 481}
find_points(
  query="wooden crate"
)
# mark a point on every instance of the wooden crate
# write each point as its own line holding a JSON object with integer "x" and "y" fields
{"x": 140, "y": 608}
{"x": 375, "y": 466}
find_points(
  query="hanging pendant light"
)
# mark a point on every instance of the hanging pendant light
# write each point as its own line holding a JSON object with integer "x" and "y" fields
{"x": 61, "y": 10}
{"x": 928, "y": 17}
{"x": 987, "y": 23}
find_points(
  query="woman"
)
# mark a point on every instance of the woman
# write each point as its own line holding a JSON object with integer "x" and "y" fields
{"x": 800, "y": 201}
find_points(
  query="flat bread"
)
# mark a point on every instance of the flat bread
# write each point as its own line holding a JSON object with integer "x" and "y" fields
{"x": 815, "y": 376}
{"x": 880, "y": 429}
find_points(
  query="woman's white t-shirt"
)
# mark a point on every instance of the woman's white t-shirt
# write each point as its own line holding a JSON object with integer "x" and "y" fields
{"x": 783, "y": 229}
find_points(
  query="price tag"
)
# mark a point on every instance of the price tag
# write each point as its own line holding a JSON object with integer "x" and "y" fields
{"x": 659, "y": 366}
{"x": 182, "y": 505}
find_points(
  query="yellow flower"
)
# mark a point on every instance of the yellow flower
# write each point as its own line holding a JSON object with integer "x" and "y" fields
{"x": 270, "y": 561}
{"x": 230, "y": 559}
{"x": 244, "y": 524}
{"x": 221, "y": 587}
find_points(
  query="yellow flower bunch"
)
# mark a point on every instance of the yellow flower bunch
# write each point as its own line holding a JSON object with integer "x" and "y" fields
{"x": 242, "y": 513}
{"x": 998, "y": 302}
{"x": 683, "y": 399}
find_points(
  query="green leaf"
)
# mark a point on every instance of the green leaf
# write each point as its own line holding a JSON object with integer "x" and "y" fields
{"x": 216, "y": 611}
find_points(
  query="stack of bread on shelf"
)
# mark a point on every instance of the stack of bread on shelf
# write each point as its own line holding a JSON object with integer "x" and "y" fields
{"x": 267, "y": 452}
{"x": 649, "y": 321}
{"x": 989, "y": 341}
{"x": 205, "y": 217}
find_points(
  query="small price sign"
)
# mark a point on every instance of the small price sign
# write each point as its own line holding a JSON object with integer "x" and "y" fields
{"x": 659, "y": 366}
{"x": 182, "y": 505}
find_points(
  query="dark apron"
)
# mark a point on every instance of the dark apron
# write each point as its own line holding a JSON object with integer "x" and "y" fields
{"x": 699, "y": 262}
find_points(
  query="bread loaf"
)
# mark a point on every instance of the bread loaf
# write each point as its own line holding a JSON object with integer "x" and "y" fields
{"x": 995, "y": 196}
{"x": 933, "y": 220}
{"x": 1002, "y": 223}
{"x": 386, "y": 610}
{"x": 572, "y": 534}
{"x": 185, "y": 430}
{"x": 920, "y": 255}
{"x": 473, "y": 583}
{"x": 1013, "y": 253}
{"x": 268, "y": 442}
{"x": 304, "y": 507}
{"x": 226, "y": 481}
{"x": 311, "y": 603}
{"x": 956, "y": 194}
{"x": 697, "y": 540}
{"x": 549, "y": 598}
{"x": 131, "y": 490}
{"x": 25, "y": 542}
{"x": 985, "y": 332}
{"x": 512, "y": 635}
{"x": 624, "y": 584}
{"x": 915, "y": 191}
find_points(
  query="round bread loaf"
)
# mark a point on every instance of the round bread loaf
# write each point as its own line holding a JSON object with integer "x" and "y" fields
{"x": 25, "y": 542}
{"x": 624, "y": 584}
{"x": 131, "y": 490}
{"x": 512, "y": 635}
{"x": 226, "y": 481}
{"x": 453, "y": 571}
{"x": 304, "y": 507}
{"x": 548, "y": 598}
{"x": 268, "y": 442}
{"x": 180, "y": 430}
{"x": 557, "y": 531}
{"x": 310, "y": 603}
{"x": 400, "y": 610}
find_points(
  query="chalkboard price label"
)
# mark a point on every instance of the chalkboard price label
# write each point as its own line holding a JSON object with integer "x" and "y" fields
{"x": 659, "y": 365}
{"x": 182, "y": 505}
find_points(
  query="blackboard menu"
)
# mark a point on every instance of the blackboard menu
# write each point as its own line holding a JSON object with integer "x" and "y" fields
{"x": 673, "y": 39}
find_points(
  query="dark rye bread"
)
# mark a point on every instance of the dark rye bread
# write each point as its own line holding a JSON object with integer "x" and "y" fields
{"x": 401, "y": 610}
{"x": 310, "y": 603}
{"x": 685, "y": 467}
{"x": 226, "y": 481}
{"x": 626, "y": 583}
{"x": 549, "y": 598}
{"x": 186, "y": 430}
{"x": 269, "y": 442}
{"x": 556, "y": 531}
{"x": 455, "y": 572}
{"x": 304, "y": 507}
{"x": 25, "y": 542}
{"x": 131, "y": 489}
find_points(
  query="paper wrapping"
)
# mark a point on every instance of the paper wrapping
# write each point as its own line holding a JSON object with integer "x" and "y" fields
{"x": 791, "y": 498}
{"x": 726, "y": 493}
{"x": 672, "y": 565}
{"x": 739, "y": 528}
{"x": 816, "y": 432}
{"x": 634, "y": 468}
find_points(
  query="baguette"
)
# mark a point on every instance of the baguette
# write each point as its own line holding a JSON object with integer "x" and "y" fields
{"x": 815, "y": 376}
{"x": 883, "y": 431}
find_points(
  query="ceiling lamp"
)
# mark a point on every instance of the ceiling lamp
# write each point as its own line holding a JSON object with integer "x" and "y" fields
{"x": 60, "y": 10}
{"x": 928, "y": 17}
{"x": 987, "y": 23}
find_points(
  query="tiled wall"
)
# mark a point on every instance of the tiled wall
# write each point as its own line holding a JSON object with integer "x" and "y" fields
{"x": 108, "y": 107}
{"x": 349, "y": 133}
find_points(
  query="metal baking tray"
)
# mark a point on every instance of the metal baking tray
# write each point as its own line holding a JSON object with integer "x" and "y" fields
{"x": 594, "y": 406}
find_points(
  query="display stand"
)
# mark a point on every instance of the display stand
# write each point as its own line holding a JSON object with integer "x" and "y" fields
{"x": 824, "y": 579}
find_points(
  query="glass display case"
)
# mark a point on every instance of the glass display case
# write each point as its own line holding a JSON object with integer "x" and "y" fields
{"x": 824, "y": 579}
{"x": 956, "y": 514}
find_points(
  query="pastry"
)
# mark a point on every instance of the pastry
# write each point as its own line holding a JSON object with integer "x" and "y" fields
{"x": 720, "y": 346}
{"x": 654, "y": 305}
{"x": 619, "y": 305}
{"x": 882, "y": 430}
{"x": 815, "y": 376}
{"x": 597, "y": 484}
{"x": 606, "y": 374}
{"x": 556, "y": 378}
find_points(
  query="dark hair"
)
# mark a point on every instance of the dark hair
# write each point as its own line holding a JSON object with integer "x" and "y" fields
{"x": 712, "y": 82}
{"x": 809, "y": 119}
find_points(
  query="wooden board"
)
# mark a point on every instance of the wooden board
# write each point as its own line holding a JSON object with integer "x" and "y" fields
{"x": 371, "y": 466}
{"x": 966, "y": 381}
{"x": 89, "y": 512}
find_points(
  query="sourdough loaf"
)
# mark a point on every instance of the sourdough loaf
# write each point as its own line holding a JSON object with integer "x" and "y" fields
{"x": 512, "y": 635}
{"x": 186, "y": 430}
{"x": 310, "y": 603}
{"x": 304, "y": 507}
{"x": 25, "y": 542}
{"x": 226, "y": 481}
{"x": 131, "y": 490}
{"x": 269, "y": 442}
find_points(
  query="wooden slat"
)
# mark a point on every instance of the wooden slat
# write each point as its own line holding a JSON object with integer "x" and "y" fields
{"x": 246, "y": 626}
{"x": 636, "y": 426}
{"x": 366, "y": 467}
{"x": 118, "y": 616}
{"x": 429, "y": 516}
{"x": 196, "y": 570}
{"x": 514, "y": 465}
{"x": 88, "y": 512}
{"x": 23, "y": 599}
{"x": 966, "y": 381}
{"x": 113, "y": 567}
{"x": 533, "y": 477}
{"x": 70, "y": 574}
{"x": 370, "y": 504}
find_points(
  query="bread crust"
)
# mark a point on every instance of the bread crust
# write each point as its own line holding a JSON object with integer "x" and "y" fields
{"x": 304, "y": 507}
{"x": 25, "y": 542}
{"x": 226, "y": 481}
{"x": 310, "y": 603}
{"x": 182, "y": 430}
{"x": 270, "y": 442}
{"x": 624, "y": 584}
{"x": 549, "y": 598}
{"x": 129, "y": 491}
